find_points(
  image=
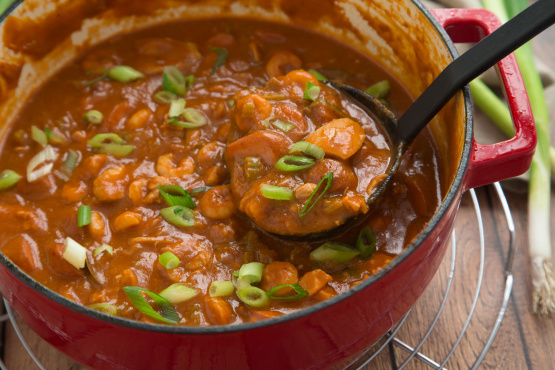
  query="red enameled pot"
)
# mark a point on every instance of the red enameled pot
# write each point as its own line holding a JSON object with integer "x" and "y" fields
{"x": 331, "y": 332}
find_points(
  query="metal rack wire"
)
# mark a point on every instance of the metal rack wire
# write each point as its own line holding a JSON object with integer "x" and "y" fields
{"x": 393, "y": 338}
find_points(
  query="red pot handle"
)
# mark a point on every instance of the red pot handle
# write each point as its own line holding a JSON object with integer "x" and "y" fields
{"x": 495, "y": 162}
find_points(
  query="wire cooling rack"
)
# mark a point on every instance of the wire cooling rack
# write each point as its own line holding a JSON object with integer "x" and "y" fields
{"x": 394, "y": 338}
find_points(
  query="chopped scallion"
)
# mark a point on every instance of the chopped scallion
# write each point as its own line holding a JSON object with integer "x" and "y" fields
{"x": 221, "y": 289}
{"x": 307, "y": 206}
{"x": 83, "y": 216}
{"x": 333, "y": 252}
{"x": 8, "y": 178}
{"x": 318, "y": 75}
{"x": 164, "y": 97}
{"x": 38, "y": 135}
{"x": 304, "y": 147}
{"x": 102, "y": 248}
{"x": 193, "y": 119}
{"x": 106, "y": 308}
{"x": 54, "y": 137}
{"x": 276, "y": 192}
{"x": 47, "y": 154}
{"x": 102, "y": 76}
{"x": 74, "y": 253}
{"x": 124, "y": 74}
{"x": 189, "y": 81}
{"x": 379, "y": 90}
{"x": 280, "y": 124}
{"x": 119, "y": 150}
{"x": 178, "y": 293}
{"x": 99, "y": 139}
{"x": 301, "y": 292}
{"x": 173, "y": 81}
{"x": 291, "y": 163}
{"x": 220, "y": 59}
{"x": 253, "y": 296}
{"x": 93, "y": 117}
{"x": 175, "y": 195}
{"x": 311, "y": 91}
{"x": 178, "y": 216}
{"x": 177, "y": 107}
{"x": 169, "y": 314}
{"x": 366, "y": 242}
{"x": 251, "y": 271}
{"x": 168, "y": 260}
{"x": 202, "y": 189}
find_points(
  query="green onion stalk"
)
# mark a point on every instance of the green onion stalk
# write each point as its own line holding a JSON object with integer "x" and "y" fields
{"x": 539, "y": 194}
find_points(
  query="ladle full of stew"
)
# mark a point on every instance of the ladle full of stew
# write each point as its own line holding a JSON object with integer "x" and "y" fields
{"x": 312, "y": 188}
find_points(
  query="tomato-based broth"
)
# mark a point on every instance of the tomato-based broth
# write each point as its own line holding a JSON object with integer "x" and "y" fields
{"x": 146, "y": 171}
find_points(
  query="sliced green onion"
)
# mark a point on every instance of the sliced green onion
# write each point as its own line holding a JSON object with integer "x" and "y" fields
{"x": 70, "y": 163}
{"x": 231, "y": 103}
{"x": 164, "y": 97}
{"x": 252, "y": 271}
{"x": 178, "y": 293}
{"x": 284, "y": 126}
{"x": 93, "y": 117}
{"x": 193, "y": 119}
{"x": 168, "y": 260}
{"x": 291, "y": 163}
{"x": 240, "y": 282}
{"x": 169, "y": 314}
{"x": 202, "y": 189}
{"x": 83, "y": 216}
{"x": 124, "y": 74}
{"x": 99, "y": 78}
{"x": 47, "y": 154}
{"x": 74, "y": 253}
{"x": 99, "y": 139}
{"x": 366, "y": 242}
{"x": 301, "y": 292}
{"x": 178, "y": 216}
{"x": 102, "y": 248}
{"x": 304, "y": 147}
{"x": 311, "y": 91}
{"x": 106, "y": 308}
{"x": 221, "y": 289}
{"x": 379, "y": 90}
{"x": 173, "y": 81}
{"x": 38, "y": 135}
{"x": 307, "y": 206}
{"x": 276, "y": 192}
{"x": 253, "y": 296}
{"x": 175, "y": 195}
{"x": 8, "y": 178}
{"x": 220, "y": 59}
{"x": 189, "y": 81}
{"x": 333, "y": 252}
{"x": 119, "y": 150}
{"x": 318, "y": 75}
{"x": 177, "y": 108}
{"x": 54, "y": 137}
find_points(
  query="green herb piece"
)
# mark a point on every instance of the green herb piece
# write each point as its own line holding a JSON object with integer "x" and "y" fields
{"x": 379, "y": 90}
{"x": 221, "y": 289}
{"x": 280, "y": 124}
{"x": 173, "y": 81}
{"x": 8, "y": 178}
{"x": 74, "y": 253}
{"x": 93, "y": 117}
{"x": 301, "y": 292}
{"x": 318, "y": 75}
{"x": 276, "y": 192}
{"x": 220, "y": 59}
{"x": 124, "y": 74}
{"x": 168, "y": 260}
{"x": 106, "y": 308}
{"x": 164, "y": 97}
{"x": 252, "y": 271}
{"x": 202, "y": 189}
{"x": 102, "y": 76}
{"x": 253, "y": 296}
{"x": 291, "y": 163}
{"x": 83, "y": 216}
{"x": 54, "y": 137}
{"x": 312, "y": 150}
{"x": 135, "y": 294}
{"x": 175, "y": 195}
{"x": 311, "y": 91}
{"x": 178, "y": 293}
{"x": 38, "y": 135}
{"x": 366, "y": 242}
{"x": 177, "y": 107}
{"x": 333, "y": 252}
{"x": 102, "y": 248}
{"x": 193, "y": 119}
{"x": 307, "y": 206}
{"x": 178, "y": 216}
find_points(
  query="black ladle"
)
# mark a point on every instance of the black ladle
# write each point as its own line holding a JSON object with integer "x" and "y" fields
{"x": 485, "y": 54}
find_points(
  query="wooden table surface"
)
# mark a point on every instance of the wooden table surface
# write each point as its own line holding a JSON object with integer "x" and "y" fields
{"x": 524, "y": 339}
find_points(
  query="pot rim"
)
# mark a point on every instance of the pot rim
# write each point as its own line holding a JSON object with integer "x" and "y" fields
{"x": 450, "y": 197}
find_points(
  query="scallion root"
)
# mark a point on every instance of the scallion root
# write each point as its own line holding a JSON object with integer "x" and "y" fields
{"x": 543, "y": 282}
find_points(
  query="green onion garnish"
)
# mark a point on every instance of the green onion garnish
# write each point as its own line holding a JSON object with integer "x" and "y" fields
{"x": 178, "y": 216}
{"x": 47, "y": 154}
{"x": 291, "y": 163}
{"x": 178, "y": 293}
{"x": 106, "y": 308}
{"x": 168, "y": 260}
{"x": 251, "y": 271}
{"x": 175, "y": 195}
{"x": 307, "y": 206}
{"x": 366, "y": 242}
{"x": 301, "y": 292}
{"x": 193, "y": 119}
{"x": 99, "y": 78}
{"x": 221, "y": 289}
{"x": 334, "y": 253}
{"x": 202, "y": 189}
{"x": 177, "y": 108}
{"x": 379, "y": 90}
{"x": 83, "y": 216}
{"x": 102, "y": 248}
{"x": 38, "y": 135}
{"x": 173, "y": 81}
{"x": 93, "y": 117}
{"x": 70, "y": 163}
{"x": 221, "y": 58}
{"x": 231, "y": 103}
{"x": 164, "y": 97}
{"x": 276, "y": 192}
{"x": 318, "y": 75}
{"x": 189, "y": 81}
{"x": 111, "y": 144}
{"x": 169, "y": 314}
{"x": 311, "y": 91}
{"x": 99, "y": 139}
{"x": 312, "y": 150}
{"x": 253, "y": 296}
{"x": 284, "y": 126}
{"x": 74, "y": 253}
{"x": 54, "y": 137}
{"x": 124, "y": 74}
{"x": 8, "y": 178}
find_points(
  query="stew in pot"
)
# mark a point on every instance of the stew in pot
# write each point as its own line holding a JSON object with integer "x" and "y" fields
{"x": 139, "y": 179}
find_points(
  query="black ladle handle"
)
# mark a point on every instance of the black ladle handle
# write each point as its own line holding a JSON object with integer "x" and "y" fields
{"x": 485, "y": 54}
